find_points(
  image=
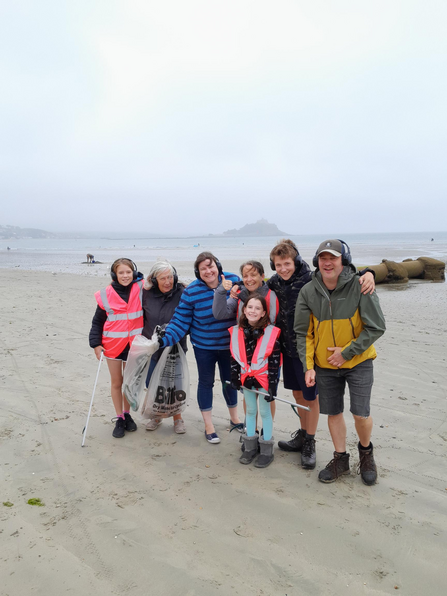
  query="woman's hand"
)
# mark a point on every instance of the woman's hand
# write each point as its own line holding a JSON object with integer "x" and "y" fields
{"x": 98, "y": 351}
{"x": 227, "y": 283}
{"x": 235, "y": 291}
{"x": 367, "y": 282}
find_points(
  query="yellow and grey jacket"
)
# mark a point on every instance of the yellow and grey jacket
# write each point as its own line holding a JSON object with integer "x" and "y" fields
{"x": 344, "y": 318}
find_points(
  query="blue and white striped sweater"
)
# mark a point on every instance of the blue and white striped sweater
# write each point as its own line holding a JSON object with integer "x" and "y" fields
{"x": 194, "y": 314}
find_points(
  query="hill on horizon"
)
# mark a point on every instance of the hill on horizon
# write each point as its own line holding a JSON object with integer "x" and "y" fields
{"x": 261, "y": 228}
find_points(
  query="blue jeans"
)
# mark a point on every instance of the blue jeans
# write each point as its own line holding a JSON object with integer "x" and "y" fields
{"x": 152, "y": 366}
{"x": 206, "y": 366}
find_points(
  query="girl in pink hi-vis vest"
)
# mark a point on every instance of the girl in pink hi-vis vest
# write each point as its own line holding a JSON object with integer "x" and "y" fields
{"x": 255, "y": 352}
{"x": 118, "y": 319}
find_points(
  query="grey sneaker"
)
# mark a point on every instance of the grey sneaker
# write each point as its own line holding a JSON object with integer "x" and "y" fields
{"x": 153, "y": 423}
{"x": 335, "y": 468}
{"x": 295, "y": 443}
{"x": 367, "y": 466}
{"x": 308, "y": 454}
{"x": 179, "y": 427}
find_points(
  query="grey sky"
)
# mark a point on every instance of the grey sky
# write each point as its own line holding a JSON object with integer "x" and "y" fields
{"x": 201, "y": 115}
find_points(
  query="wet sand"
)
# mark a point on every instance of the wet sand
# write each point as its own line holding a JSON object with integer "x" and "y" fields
{"x": 165, "y": 514}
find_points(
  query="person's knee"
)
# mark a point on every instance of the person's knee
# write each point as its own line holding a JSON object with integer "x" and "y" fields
{"x": 206, "y": 382}
{"x": 252, "y": 410}
{"x": 362, "y": 419}
{"x": 264, "y": 409}
{"x": 334, "y": 418}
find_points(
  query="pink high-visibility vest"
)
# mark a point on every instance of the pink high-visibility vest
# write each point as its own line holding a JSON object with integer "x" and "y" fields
{"x": 124, "y": 319}
{"x": 259, "y": 363}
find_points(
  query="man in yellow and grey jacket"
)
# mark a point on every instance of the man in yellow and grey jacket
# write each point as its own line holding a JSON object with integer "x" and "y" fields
{"x": 336, "y": 326}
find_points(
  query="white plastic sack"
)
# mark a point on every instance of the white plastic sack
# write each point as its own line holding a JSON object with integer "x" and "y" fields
{"x": 135, "y": 372}
{"x": 169, "y": 385}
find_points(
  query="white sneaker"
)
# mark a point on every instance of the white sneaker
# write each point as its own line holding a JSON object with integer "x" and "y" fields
{"x": 153, "y": 423}
{"x": 179, "y": 427}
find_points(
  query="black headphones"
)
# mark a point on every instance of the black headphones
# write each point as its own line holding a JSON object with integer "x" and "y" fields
{"x": 297, "y": 260}
{"x": 255, "y": 332}
{"x": 134, "y": 267}
{"x": 346, "y": 257}
{"x": 155, "y": 282}
{"x": 218, "y": 265}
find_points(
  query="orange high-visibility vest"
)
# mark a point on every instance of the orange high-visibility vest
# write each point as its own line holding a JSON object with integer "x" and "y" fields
{"x": 259, "y": 363}
{"x": 272, "y": 306}
{"x": 124, "y": 319}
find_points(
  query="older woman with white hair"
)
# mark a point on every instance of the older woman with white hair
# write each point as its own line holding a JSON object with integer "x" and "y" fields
{"x": 161, "y": 296}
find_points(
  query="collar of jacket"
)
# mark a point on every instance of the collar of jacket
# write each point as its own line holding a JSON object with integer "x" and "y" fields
{"x": 244, "y": 293}
{"x": 345, "y": 276}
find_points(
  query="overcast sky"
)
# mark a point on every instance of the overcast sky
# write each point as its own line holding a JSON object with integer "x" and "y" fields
{"x": 190, "y": 116}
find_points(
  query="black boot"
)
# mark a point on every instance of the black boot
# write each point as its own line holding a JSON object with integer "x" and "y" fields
{"x": 367, "y": 466}
{"x": 335, "y": 468}
{"x": 295, "y": 443}
{"x": 266, "y": 456}
{"x": 250, "y": 445}
{"x": 308, "y": 454}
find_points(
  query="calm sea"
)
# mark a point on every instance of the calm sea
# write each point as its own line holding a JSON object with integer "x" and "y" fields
{"x": 59, "y": 255}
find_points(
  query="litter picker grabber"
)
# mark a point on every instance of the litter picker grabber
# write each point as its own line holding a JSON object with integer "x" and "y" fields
{"x": 84, "y": 432}
{"x": 293, "y": 405}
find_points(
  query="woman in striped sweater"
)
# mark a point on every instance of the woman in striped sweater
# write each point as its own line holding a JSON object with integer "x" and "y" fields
{"x": 209, "y": 337}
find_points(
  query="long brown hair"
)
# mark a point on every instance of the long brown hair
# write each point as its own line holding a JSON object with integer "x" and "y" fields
{"x": 263, "y": 322}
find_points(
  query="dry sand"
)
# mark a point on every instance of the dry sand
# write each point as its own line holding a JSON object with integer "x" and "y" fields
{"x": 162, "y": 514}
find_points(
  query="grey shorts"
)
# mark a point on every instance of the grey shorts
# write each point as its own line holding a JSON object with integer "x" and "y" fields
{"x": 332, "y": 383}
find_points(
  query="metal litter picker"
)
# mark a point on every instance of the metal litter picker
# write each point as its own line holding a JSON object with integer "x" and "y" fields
{"x": 84, "y": 432}
{"x": 293, "y": 405}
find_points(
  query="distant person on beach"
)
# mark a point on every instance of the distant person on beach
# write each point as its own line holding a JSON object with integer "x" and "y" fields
{"x": 209, "y": 338}
{"x": 252, "y": 273}
{"x": 256, "y": 355}
{"x": 336, "y": 325}
{"x": 117, "y": 320}
{"x": 292, "y": 274}
{"x": 161, "y": 296}
{"x": 90, "y": 258}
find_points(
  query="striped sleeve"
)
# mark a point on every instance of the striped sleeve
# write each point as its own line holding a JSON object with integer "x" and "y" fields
{"x": 181, "y": 321}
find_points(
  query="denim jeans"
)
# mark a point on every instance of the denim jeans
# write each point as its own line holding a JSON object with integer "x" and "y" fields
{"x": 152, "y": 366}
{"x": 206, "y": 366}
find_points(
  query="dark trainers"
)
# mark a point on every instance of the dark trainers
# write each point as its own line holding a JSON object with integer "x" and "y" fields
{"x": 120, "y": 427}
{"x": 335, "y": 468}
{"x": 295, "y": 443}
{"x": 308, "y": 454}
{"x": 130, "y": 423}
{"x": 367, "y": 466}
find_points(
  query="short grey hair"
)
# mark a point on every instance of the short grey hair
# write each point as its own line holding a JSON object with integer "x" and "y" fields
{"x": 156, "y": 269}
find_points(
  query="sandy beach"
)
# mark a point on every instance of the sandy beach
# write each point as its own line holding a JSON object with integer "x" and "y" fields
{"x": 164, "y": 514}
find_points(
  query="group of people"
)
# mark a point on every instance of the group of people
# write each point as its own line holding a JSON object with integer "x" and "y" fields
{"x": 318, "y": 327}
